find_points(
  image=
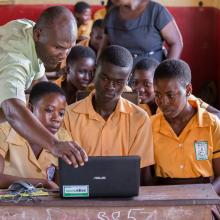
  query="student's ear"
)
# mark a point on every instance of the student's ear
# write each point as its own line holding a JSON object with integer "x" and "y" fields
{"x": 91, "y": 33}
{"x": 67, "y": 69}
{"x": 36, "y": 34}
{"x": 77, "y": 15}
{"x": 93, "y": 73}
{"x": 188, "y": 89}
{"x": 30, "y": 106}
{"x": 67, "y": 73}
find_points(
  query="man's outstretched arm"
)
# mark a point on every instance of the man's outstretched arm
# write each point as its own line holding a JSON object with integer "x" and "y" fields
{"x": 28, "y": 126}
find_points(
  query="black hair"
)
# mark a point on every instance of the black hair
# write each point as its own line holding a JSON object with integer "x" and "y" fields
{"x": 146, "y": 64}
{"x": 109, "y": 4}
{"x": 99, "y": 23}
{"x": 116, "y": 55}
{"x": 43, "y": 88}
{"x": 79, "y": 52}
{"x": 51, "y": 14}
{"x": 173, "y": 69}
{"x": 80, "y": 7}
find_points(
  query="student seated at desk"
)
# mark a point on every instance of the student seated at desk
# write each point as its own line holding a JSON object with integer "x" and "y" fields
{"x": 104, "y": 123}
{"x": 21, "y": 160}
{"x": 96, "y": 36}
{"x": 143, "y": 75}
{"x": 143, "y": 83}
{"x": 186, "y": 136}
{"x": 82, "y": 12}
{"x": 79, "y": 72}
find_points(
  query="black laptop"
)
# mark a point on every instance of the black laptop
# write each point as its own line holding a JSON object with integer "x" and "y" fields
{"x": 102, "y": 176}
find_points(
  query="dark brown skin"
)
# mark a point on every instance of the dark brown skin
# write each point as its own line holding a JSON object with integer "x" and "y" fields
{"x": 171, "y": 98}
{"x": 110, "y": 81}
{"x": 109, "y": 84}
{"x": 153, "y": 107}
{"x": 2, "y": 116}
{"x": 147, "y": 176}
{"x": 96, "y": 37}
{"x": 49, "y": 110}
{"x": 70, "y": 91}
{"x": 84, "y": 17}
{"x": 143, "y": 84}
{"x": 129, "y": 9}
{"x": 52, "y": 46}
{"x": 27, "y": 125}
{"x": 79, "y": 76}
{"x": 54, "y": 42}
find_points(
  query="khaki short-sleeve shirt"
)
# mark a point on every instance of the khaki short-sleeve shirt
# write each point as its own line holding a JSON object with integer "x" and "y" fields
{"x": 19, "y": 64}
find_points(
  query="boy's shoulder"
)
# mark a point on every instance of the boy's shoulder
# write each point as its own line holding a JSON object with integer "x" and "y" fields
{"x": 203, "y": 118}
{"x": 132, "y": 109}
{"x": 79, "y": 106}
{"x": 156, "y": 120}
{"x": 156, "y": 117}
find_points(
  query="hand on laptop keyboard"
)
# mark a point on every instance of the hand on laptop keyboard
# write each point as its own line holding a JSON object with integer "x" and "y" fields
{"x": 70, "y": 152}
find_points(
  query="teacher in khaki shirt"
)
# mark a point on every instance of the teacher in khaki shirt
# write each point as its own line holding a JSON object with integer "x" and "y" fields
{"x": 26, "y": 49}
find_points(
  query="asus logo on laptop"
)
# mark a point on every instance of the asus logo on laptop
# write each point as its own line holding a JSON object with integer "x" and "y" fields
{"x": 99, "y": 178}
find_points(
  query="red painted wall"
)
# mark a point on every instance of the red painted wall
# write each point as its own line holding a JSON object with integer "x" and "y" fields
{"x": 32, "y": 12}
{"x": 200, "y": 28}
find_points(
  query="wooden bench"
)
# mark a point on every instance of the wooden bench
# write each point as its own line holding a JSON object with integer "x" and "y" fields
{"x": 182, "y": 202}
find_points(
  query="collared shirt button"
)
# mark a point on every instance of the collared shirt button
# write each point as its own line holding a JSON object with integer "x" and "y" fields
{"x": 180, "y": 145}
{"x": 181, "y": 166}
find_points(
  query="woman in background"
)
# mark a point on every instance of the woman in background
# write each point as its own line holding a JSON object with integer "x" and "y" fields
{"x": 142, "y": 26}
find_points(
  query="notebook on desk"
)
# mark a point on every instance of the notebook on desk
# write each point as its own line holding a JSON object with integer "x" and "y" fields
{"x": 103, "y": 176}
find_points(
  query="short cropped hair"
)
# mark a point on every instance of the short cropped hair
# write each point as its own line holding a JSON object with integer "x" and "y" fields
{"x": 79, "y": 52}
{"x": 80, "y": 7}
{"x": 116, "y": 55}
{"x": 146, "y": 64}
{"x": 109, "y": 4}
{"x": 51, "y": 14}
{"x": 99, "y": 23}
{"x": 41, "y": 89}
{"x": 174, "y": 69}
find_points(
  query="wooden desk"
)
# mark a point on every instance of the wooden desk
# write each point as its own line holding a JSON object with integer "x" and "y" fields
{"x": 154, "y": 203}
